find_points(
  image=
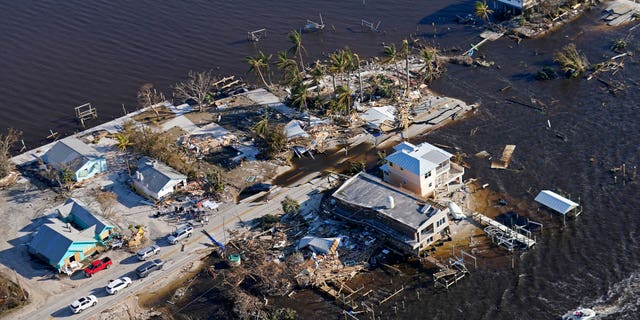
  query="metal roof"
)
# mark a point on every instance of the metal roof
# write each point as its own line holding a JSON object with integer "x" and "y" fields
{"x": 293, "y": 130}
{"x": 54, "y": 238}
{"x": 367, "y": 191}
{"x": 81, "y": 214}
{"x": 317, "y": 244}
{"x": 156, "y": 175}
{"x": 70, "y": 152}
{"x": 555, "y": 201}
{"x": 377, "y": 115}
{"x": 419, "y": 159}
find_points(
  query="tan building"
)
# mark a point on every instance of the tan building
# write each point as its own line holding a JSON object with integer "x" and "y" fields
{"x": 420, "y": 169}
{"x": 410, "y": 223}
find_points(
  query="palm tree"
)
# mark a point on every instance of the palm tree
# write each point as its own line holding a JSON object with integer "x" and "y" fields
{"x": 299, "y": 95}
{"x": 289, "y": 68}
{"x": 258, "y": 64}
{"x": 343, "y": 99}
{"x": 123, "y": 143}
{"x": 317, "y": 73}
{"x": 357, "y": 63}
{"x": 296, "y": 40}
{"x": 482, "y": 11}
{"x": 404, "y": 51}
{"x": 337, "y": 65}
{"x": 390, "y": 55}
{"x": 349, "y": 64}
{"x": 261, "y": 128}
{"x": 428, "y": 70}
{"x": 571, "y": 60}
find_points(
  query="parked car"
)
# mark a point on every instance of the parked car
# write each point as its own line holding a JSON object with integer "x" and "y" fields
{"x": 181, "y": 233}
{"x": 148, "y": 267}
{"x": 83, "y": 303}
{"x": 144, "y": 253}
{"x": 116, "y": 285}
{"x": 97, "y": 266}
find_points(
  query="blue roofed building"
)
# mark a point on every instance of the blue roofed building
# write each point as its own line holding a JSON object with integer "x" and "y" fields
{"x": 420, "y": 169}
{"x": 65, "y": 242}
{"x": 73, "y": 154}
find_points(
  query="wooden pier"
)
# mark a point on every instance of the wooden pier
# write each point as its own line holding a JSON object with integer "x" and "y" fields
{"x": 449, "y": 274}
{"x": 484, "y": 220}
{"x": 85, "y": 112}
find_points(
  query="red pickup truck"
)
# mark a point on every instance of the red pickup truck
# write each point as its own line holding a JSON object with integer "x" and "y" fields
{"x": 97, "y": 265}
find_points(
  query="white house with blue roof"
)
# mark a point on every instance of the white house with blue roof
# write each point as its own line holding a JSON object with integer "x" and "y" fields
{"x": 73, "y": 154}
{"x": 156, "y": 180}
{"x": 420, "y": 169}
{"x": 66, "y": 241}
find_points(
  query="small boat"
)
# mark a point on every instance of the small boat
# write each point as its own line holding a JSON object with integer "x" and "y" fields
{"x": 455, "y": 211}
{"x": 579, "y": 314}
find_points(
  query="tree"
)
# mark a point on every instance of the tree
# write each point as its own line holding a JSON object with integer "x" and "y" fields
{"x": 261, "y": 128}
{"x": 430, "y": 68}
{"x": 299, "y": 95}
{"x": 214, "y": 180}
{"x": 66, "y": 178}
{"x": 275, "y": 140}
{"x": 259, "y": 64}
{"x": 343, "y": 99}
{"x": 290, "y": 206}
{"x": 296, "y": 49}
{"x": 390, "y": 56}
{"x": 196, "y": 87}
{"x": 123, "y": 143}
{"x": 337, "y": 65}
{"x": 404, "y": 51}
{"x": 317, "y": 74}
{"x": 289, "y": 68}
{"x": 6, "y": 142}
{"x": 148, "y": 97}
{"x": 571, "y": 60}
{"x": 357, "y": 63}
{"x": 482, "y": 11}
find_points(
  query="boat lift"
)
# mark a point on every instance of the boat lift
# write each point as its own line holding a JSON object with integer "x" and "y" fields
{"x": 314, "y": 26}
{"x": 257, "y": 35}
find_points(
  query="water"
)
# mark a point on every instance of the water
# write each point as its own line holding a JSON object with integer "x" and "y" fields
{"x": 56, "y": 55}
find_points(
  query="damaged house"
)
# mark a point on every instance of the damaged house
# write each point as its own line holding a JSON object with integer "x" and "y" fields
{"x": 420, "y": 169}
{"x": 410, "y": 223}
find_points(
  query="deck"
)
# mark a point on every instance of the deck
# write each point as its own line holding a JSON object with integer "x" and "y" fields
{"x": 484, "y": 220}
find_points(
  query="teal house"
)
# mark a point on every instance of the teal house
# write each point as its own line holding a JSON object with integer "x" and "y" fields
{"x": 66, "y": 241}
{"x": 73, "y": 154}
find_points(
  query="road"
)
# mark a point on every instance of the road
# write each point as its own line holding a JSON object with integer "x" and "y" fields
{"x": 175, "y": 257}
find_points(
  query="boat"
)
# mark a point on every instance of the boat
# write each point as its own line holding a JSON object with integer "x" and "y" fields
{"x": 456, "y": 211}
{"x": 579, "y": 314}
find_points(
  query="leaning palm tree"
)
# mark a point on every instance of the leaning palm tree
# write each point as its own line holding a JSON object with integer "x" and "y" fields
{"x": 123, "y": 143}
{"x": 258, "y": 65}
{"x": 482, "y": 11}
{"x": 296, "y": 49}
{"x": 571, "y": 60}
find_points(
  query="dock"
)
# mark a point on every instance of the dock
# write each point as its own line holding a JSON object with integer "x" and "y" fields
{"x": 502, "y": 234}
{"x": 450, "y": 274}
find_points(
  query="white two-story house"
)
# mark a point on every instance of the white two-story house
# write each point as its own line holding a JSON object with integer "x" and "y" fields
{"x": 420, "y": 169}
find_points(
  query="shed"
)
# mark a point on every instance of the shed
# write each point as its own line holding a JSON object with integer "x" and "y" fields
{"x": 156, "y": 179}
{"x": 555, "y": 201}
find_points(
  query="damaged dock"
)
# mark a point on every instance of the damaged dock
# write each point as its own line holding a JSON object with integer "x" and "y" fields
{"x": 503, "y": 235}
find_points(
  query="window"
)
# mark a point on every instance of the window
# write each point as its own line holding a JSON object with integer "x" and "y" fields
{"x": 430, "y": 184}
{"x": 440, "y": 222}
{"x": 427, "y": 175}
{"x": 390, "y": 164}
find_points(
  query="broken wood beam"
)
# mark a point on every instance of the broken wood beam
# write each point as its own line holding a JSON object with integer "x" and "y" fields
{"x": 390, "y": 296}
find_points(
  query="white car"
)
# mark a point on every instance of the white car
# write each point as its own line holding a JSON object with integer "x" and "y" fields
{"x": 180, "y": 233}
{"x": 116, "y": 285}
{"x": 83, "y": 303}
{"x": 143, "y": 254}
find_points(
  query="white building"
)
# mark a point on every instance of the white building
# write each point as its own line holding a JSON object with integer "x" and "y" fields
{"x": 157, "y": 180}
{"x": 420, "y": 169}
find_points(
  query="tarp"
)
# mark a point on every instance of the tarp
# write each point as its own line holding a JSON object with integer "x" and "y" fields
{"x": 555, "y": 201}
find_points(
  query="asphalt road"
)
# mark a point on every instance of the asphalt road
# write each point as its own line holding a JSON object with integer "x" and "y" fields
{"x": 174, "y": 257}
